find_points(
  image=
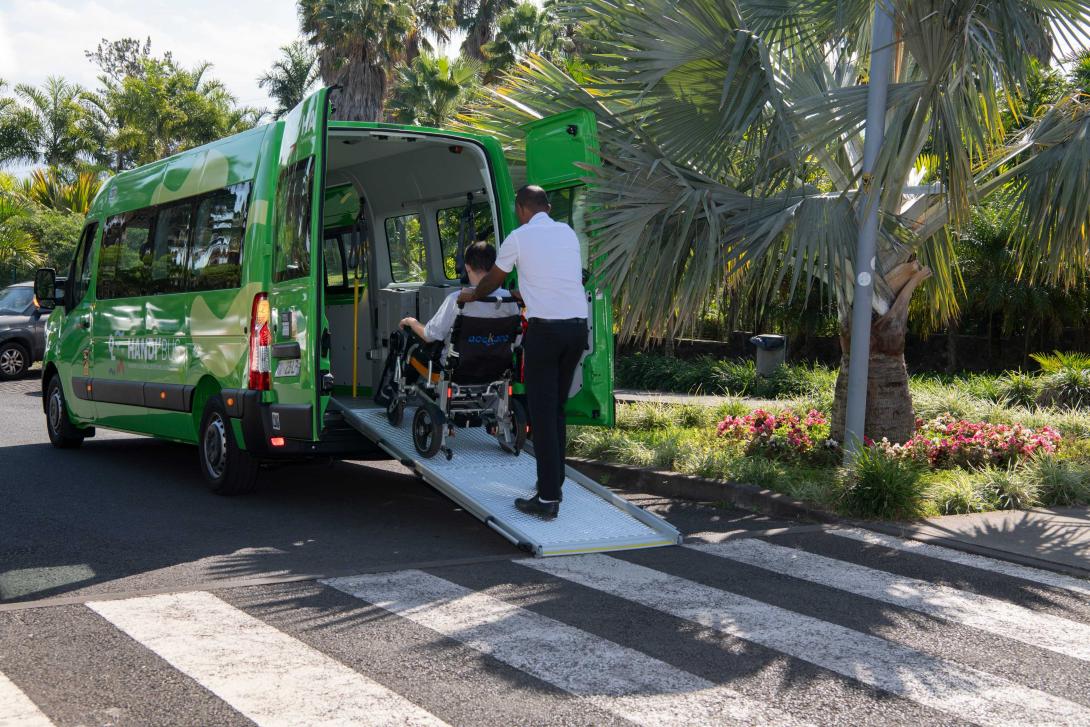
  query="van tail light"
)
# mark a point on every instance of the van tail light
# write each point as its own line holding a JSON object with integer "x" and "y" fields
{"x": 260, "y": 344}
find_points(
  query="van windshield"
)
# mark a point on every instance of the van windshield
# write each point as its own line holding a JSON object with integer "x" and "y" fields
{"x": 15, "y": 300}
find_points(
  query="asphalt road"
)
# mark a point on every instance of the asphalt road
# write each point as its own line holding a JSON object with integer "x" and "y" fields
{"x": 354, "y": 594}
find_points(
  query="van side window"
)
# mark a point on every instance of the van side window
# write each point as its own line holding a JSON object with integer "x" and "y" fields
{"x": 450, "y": 223}
{"x": 80, "y": 276}
{"x": 168, "y": 264}
{"x": 405, "y": 241}
{"x": 293, "y": 221}
{"x": 215, "y": 261}
{"x": 124, "y": 264}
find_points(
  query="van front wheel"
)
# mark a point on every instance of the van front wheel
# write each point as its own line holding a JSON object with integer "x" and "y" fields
{"x": 227, "y": 469}
{"x": 63, "y": 434}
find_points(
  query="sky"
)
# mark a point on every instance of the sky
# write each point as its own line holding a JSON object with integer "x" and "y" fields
{"x": 241, "y": 38}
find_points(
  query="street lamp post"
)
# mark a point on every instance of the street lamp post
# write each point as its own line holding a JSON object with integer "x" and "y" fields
{"x": 881, "y": 60}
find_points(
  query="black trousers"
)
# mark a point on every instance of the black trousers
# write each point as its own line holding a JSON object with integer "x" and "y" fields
{"x": 552, "y": 351}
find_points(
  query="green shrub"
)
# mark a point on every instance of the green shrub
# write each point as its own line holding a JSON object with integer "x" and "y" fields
{"x": 1059, "y": 482}
{"x": 958, "y": 492}
{"x": 732, "y": 377}
{"x": 1066, "y": 389}
{"x": 1018, "y": 389}
{"x": 644, "y": 416}
{"x": 754, "y": 471}
{"x": 932, "y": 398}
{"x": 690, "y": 416}
{"x": 1007, "y": 488}
{"x": 984, "y": 387}
{"x": 1057, "y": 361}
{"x": 879, "y": 485}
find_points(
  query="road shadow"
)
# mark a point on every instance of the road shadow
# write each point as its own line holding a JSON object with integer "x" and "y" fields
{"x": 132, "y": 513}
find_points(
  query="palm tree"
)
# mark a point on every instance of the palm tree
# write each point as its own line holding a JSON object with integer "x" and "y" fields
{"x": 49, "y": 188}
{"x": 361, "y": 42}
{"x": 16, "y": 130}
{"x": 291, "y": 76}
{"x": 18, "y": 249}
{"x": 431, "y": 89}
{"x": 525, "y": 29}
{"x": 731, "y": 138}
{"x": 478, "y": 19}
{"x": 57, "y": 122}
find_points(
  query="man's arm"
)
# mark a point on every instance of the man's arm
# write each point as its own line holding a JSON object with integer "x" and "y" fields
{"x": 415, "y": 326}
{"x": 492, "y": 280}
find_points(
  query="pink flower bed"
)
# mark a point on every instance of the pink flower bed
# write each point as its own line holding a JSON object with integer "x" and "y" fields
{"x": 947, "y": 442}
{"x": 784, "y": 434}
{"x": 942, "y": 443}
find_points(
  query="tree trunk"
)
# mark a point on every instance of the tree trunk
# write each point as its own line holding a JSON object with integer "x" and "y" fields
{"x": 889, "y": 403}
{"x": 363, "y": 90}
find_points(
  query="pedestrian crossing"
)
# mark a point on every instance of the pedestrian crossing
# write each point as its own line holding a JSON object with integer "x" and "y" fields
{"x": 741, "y": 632}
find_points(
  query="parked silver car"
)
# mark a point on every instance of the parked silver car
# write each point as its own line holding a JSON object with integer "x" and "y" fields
{"x": 22, "y": 330}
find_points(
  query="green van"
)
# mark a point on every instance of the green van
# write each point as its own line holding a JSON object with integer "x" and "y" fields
{"x": 223, "y": 296}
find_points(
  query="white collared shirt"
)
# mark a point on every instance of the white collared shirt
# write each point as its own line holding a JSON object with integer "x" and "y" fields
{"x": 550, "y": 268}
{"x": 440, "y": 325}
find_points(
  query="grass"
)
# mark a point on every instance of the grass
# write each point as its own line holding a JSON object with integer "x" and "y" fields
{"x": 1063, "y": 383}
{"x": 681, "y": 438}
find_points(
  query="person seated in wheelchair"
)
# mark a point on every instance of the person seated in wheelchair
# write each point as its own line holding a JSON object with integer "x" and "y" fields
{"x": 460, "y": 363}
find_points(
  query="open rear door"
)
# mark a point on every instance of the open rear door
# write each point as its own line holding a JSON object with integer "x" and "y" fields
{"x": 555, "y": 146}
{"x": 297, "y": 321}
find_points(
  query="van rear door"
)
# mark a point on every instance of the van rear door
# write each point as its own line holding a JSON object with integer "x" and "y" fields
{"x": 555, "y": 146}
{"x": 296, "y": 321}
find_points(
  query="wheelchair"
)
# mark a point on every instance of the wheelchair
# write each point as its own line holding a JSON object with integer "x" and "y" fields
{"x": 473, "y": 388}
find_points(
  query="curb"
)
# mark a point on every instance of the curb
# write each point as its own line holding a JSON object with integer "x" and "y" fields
{"x": 690, "y": 487}
{"x": 908, "y": 531}
{"x": 751, "y": 497}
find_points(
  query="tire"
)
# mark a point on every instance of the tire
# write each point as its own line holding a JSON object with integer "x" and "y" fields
{"x": 63, "y": 434}
{"x": 395, "y": 411}
{"x": 14, "y": 361}
{"x": 427, "y": 432}
{"x": 519, "y": 427}
{"x": 227, "y": 469}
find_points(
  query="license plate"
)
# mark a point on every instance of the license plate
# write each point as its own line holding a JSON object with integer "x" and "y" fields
{"x": 287, "y": 367}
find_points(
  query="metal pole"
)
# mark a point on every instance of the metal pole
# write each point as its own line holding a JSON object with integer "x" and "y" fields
{"x": 881, "y": 60}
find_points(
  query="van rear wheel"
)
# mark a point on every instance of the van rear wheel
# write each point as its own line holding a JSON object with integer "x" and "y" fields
{"x": 227, "y": 469}
{"x": 63, "y": 434}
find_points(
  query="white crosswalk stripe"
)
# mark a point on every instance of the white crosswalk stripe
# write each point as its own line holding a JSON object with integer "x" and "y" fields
{"x": 969, "y": 693}
{"x": 263, "y": 673}
{"x": 16, "y": 709}
{"x": 1010, "y": 620}
{"x": 625, "y": 682}
{"x": 980, "y": 562}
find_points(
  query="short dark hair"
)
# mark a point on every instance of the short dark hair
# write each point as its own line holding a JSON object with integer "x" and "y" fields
{"x": 481, "y": 256}
{"x": 532, "y": 197}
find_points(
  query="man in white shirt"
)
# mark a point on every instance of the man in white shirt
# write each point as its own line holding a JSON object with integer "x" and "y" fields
{"x": 479, "y": 259}
{"x": 550, "y": 273}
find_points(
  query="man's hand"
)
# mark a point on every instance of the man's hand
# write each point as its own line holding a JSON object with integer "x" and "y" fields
{"x": 468, "y": 295}
{"x": 407, "y": 322}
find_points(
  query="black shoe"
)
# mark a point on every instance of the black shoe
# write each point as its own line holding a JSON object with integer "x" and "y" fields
{"x": 534, "y": 506}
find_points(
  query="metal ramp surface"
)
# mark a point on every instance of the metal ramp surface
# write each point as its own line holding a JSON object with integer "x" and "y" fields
{"x": 485, "y": 480}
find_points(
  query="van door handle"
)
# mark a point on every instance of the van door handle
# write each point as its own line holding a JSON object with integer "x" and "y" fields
{"x": 84, "y": 323}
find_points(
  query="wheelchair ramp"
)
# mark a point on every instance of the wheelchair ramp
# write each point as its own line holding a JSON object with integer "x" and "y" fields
{"x": 485, "y": 480}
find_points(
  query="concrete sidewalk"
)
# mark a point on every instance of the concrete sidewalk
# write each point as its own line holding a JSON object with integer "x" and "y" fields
{"x": 1052, "y": 538}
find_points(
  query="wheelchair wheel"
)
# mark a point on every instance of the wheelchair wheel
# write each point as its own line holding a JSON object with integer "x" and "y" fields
{"x": 427, "y": 432}
{"x": 395, "y": 411}
{"x": 514, "y": 439}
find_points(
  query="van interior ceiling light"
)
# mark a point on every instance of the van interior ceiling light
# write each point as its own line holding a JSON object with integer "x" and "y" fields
{"x": 260, "y": 343}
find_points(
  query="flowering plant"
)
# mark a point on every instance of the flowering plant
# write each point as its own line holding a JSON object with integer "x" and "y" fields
{"x": 786, "y": 434}
{"x": 946, "y": 442}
